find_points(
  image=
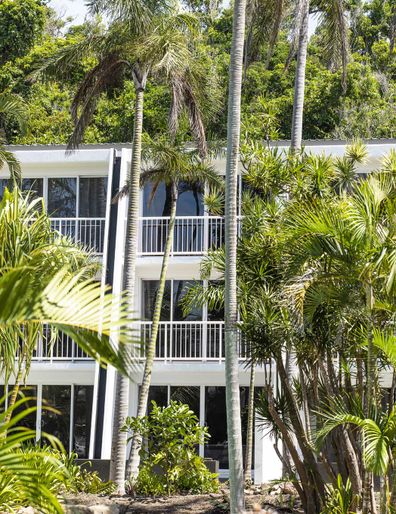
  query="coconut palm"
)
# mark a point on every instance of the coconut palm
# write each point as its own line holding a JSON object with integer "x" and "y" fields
{"x": 172, "y": 165}
{"x": 231, "y": 230}
{"x": 144, "y": 40}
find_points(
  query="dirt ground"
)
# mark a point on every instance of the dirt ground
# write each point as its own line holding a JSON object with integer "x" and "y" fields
{"x": 188, "y": 504}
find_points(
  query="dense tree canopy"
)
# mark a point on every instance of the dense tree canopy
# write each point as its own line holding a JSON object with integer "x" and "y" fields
{"x": 366, "y": 108}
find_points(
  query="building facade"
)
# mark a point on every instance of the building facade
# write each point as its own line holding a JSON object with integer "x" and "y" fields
{"x": 78, "y": 190}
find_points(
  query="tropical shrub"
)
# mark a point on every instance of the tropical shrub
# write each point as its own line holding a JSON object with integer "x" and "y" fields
{"x": 169, "y": 461}
{"x": 29, "y": 476}
{"x": 340, "y": 498}
{"x": 82, "y": 480}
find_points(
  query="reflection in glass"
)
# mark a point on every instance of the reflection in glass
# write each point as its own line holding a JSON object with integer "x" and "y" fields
{"x": 92, "y": 199}
{"x": 189, "y": 203}
{"x": 188, "y": 395}
{"x": 216, "y": 421}
{"x": 158, "y": 394}
{"x": 62, "y": 197}
{"x": 57, "y": 423}
{"x": 30, "y": 393}
{"x": 34, "y": 186}
{"x": 150, "y": 288}
{"x": 82, "y": 419}
{"x": 180, "y": 288}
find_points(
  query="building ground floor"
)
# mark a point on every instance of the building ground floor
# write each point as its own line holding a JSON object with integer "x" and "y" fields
{"x": 66, "y": 398}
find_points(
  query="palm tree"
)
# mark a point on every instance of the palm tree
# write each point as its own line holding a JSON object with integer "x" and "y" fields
{"x": 33, "y": 248}
{"x": 234, "y": 432}
{"x": 170, "y": 164}
{"x": 143, "y": 40}
{"x": 12, "y": 107}
{"x": 299, "y": 84}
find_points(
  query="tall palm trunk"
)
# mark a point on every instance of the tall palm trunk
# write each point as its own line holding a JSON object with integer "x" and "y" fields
{"x": 119, "y": 440}
{"x": 134, "y": 458}
{"x": 299, "y": 85}
{"x": 368, "y": 495}
{"x": 234, "y": 430}
{"x": 250, "y": 426}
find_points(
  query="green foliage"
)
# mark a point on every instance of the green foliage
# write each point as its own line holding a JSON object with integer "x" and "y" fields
{"x": 340, "y": 498}
{"x": 79, "y": 479}
{"x": 170, "y": 463}
{"x": 29, "y": 476}
{"x": 21, "y": 25}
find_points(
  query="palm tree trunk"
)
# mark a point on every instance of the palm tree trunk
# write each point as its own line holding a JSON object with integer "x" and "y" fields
{"x": 250, "y": 426}
{"x": 234, "y": 430}
{"x": 119, "y": 440}
{"x": 14, "y": 393}
{"x": 299, "y": 86}
{"x": 134, "y": 457}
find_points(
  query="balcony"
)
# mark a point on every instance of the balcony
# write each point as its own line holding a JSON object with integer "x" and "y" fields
{"x": 189, "y": 341}
{"x": 87, "y": 231}
{"x": 58, "y": 347}
{"x": 193, "y": 235}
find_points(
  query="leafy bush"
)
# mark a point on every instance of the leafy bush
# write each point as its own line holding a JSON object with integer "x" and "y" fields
{"x": 340, "y": 498}
{"x": 81, "y": 480}
{"x": 170, "y": 463}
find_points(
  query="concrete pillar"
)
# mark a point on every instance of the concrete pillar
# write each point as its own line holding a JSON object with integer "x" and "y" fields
{"x": 267, "y": 465}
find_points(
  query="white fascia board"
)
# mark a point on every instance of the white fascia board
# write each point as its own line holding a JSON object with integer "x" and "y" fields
{"x": 61, "y": 373}
{"x": 40, "y": 163}
{"x": 198, "y": 373}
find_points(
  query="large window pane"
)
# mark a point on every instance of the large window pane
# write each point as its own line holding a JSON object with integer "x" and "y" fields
{"x": 189, "y": 203}
{"x": 150, "y": 288}
{"x": 158, "y": 394}
{"x": 62, "y": 197}
{"x": 30, "y": 394}
{"x": 34, "y": 186}
{"x": 180, "y": 288}
{"x": 188, "y": 395}
{"x": 92, "y": 197}
{"x": 57, "y": 423}
{"x": 82, "y": 419}
{"x": 216, "y": 421}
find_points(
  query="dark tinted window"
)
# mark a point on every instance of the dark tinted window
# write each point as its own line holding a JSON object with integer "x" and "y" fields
{"x": 62, "y": 197}
{"x": 92, "y": 199}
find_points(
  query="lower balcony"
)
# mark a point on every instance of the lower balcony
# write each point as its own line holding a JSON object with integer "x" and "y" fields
{"x": 189, "y": 341}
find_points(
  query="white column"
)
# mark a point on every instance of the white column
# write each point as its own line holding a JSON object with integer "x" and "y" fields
{"x": 267, "y": 465}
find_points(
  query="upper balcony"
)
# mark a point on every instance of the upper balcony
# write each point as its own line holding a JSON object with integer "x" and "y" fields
{"x": 87, "y": 231}
{"x": 193, "y": 235}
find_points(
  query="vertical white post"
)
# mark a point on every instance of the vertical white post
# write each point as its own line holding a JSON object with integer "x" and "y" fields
{"x": 71, "y": 424}
{"x": 267, "y": 465}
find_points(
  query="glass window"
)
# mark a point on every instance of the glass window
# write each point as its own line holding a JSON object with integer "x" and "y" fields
{"x": 180, "y": 288}
{"x": 82, "y": 419}
{"x": 30, "y": 393}
{"x": 158, "y": 394}
{"x": 62, "y": 197}
{"x": 34, "y": 185}
{"x": 92, "y": 197}
{"x": 150, "y": 288}
{"x": 216, "y": 421}
{"x": 189, "y": 203}
{"x": 57, "y": 422}
{"x": 218, "y": 313}
{"x": 188, "y": 395}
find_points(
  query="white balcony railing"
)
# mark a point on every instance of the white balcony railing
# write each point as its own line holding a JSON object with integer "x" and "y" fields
{"x": 193, "y": 235}
{"x": 87, "y": 231}
{"x": 189, "y": 340}
{"x": 176, "y": 341}
{"x": 58, "y": 347}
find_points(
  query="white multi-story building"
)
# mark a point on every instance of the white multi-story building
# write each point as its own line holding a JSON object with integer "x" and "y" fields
{"x": 78, "y": 191}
